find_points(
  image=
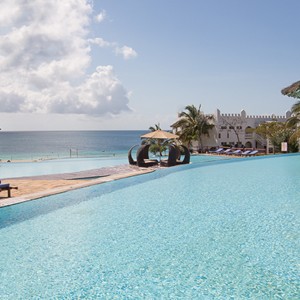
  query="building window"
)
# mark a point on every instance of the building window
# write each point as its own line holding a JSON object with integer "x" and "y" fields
{"x": 239, "y": 127}
{"x": 227, "y": 135}
{"x": 231, "y": 127}
{"x": 248, "y": 130}
{"x": 223, "y": 127}
{"x": 219, "y": 135}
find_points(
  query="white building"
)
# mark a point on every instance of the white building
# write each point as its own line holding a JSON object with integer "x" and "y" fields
{"x": 237, "y": 130}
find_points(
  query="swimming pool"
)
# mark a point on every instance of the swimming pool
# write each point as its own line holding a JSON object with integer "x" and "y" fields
{"x": 68, "y": 165}
{"x": 57, "y": 166}
{"x": 220, "y": 230}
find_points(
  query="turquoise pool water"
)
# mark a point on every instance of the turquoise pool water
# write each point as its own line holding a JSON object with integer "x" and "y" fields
{"x": 58, "y": 166}
{"x": 216, "y": 230}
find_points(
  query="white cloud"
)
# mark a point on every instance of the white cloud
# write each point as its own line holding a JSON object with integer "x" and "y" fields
{"x": 9, "y": 13}
{"x": 126, "y": 52}
{"x": 101, "y": 93}
{"x": 101, "y": 16}
{"x": 44, "y": 56}
{"x": 100, "y": 42}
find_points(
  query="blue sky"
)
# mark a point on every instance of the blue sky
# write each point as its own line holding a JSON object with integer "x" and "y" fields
{"x": 112, "y": 64}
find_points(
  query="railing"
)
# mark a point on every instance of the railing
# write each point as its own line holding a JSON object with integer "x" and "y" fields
{"x": 260, "y": 139}
{"x": 257, "y": 137}
{"x": 249, "y": 136}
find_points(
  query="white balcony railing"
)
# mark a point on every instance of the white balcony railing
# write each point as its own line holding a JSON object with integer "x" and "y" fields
{"x": 249, "y": 136}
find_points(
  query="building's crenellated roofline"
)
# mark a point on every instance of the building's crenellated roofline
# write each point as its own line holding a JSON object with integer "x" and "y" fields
{"x": 252, "y": 117}
{"x": 266, "y": 117}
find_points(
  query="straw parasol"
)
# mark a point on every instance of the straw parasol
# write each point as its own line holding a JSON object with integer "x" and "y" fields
{"x": 160, "y": 135}
{"x": 293, "y": 90}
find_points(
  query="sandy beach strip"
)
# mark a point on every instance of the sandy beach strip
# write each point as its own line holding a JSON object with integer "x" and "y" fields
{"x": 35, "y": 187}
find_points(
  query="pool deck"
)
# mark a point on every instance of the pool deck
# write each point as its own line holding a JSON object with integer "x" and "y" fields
{"x": 35, "y": 187}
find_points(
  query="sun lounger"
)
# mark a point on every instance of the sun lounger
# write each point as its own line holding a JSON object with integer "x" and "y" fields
{"x": 245, "y": 153}
{"x": 7, "y": 187}
{"x": 218, "y": 151}
{"x": 130, "y": 159}
{"x": 142, "y": 157}
{"x": 187, "y": 156}
{"x": 236, "y": 152}
{"x": 228, "y": 151}
{"x": 253, "y": 153}
{"x": 172, "y": 157}
{"x": 250, "y": 153}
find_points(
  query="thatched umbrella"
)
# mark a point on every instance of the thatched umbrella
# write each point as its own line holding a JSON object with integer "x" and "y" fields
{"x": 159, "y": 135}
{"x": 293, "y": 90}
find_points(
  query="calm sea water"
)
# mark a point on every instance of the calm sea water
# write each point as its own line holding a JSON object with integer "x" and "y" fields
{"x": 60, "y": 144}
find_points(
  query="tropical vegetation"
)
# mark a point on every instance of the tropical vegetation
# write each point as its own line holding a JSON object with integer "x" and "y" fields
{"x": 157, "y": 145}
{"x": 277, "y": 133}
{"x": 192, "y": 125}
{"x": 294, "y": 122}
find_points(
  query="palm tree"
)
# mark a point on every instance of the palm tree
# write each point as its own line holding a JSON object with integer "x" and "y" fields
{"x": 294, "y": 121}
{"x": 155, "y": 127}
{"x": 192, "y": 125}
{"x": 156, "y": 145}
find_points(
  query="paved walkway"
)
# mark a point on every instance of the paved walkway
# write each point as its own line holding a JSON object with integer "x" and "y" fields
{"x": 34, "y": 187}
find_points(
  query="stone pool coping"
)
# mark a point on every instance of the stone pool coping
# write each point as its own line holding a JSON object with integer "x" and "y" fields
{"x": 35, "y": 187}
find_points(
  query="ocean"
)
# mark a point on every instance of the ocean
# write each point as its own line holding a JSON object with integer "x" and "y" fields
{"x": 32, "y": 145}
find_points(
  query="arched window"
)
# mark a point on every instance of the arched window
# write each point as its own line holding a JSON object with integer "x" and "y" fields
{"x": 248, "y": 129}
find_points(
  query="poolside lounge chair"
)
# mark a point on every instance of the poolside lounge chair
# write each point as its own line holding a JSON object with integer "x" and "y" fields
{"x": 218, "y": 151}
{"x": 172, "y": 157}
{"x": 228, "y": 151}
{"x": 8, "y": 188}
{"x": 187, "y": 156}
{"x": 236, "y": 152}
{"x": 130, "y": 159}
{"x": 245, "y": 153}
{"x": 142, "y": 157}
{"x": 253, "y": 153}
